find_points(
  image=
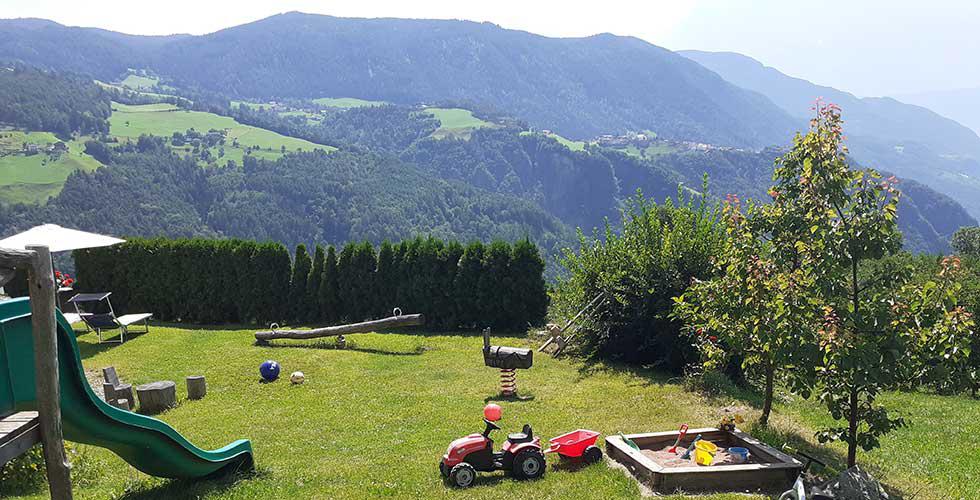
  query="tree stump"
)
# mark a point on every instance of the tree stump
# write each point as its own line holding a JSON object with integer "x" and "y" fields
{"x": 122, "y": 404}
{"x": 156, "y": 397}
{"x": 197, "y": 387}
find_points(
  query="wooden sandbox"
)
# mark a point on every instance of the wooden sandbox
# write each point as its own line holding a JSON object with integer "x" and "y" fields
{"x": 767, "y": 470}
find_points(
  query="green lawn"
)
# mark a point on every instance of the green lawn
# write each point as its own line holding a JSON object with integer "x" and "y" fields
{"x": 372, "y": 421}
{"x": 165, "y": 119}
{"x": 34, "y": 178}
{"x": 456, "y": 122}
{"x": 346, "y": 102}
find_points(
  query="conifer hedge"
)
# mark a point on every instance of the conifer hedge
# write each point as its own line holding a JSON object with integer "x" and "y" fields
{"x": 236, "y": 281}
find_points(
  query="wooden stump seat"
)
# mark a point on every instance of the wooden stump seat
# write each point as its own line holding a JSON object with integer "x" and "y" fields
{"x": 157, "y": 396}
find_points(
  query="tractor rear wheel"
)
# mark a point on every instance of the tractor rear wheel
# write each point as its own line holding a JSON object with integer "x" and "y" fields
{"x": 529, "y": 464}
{"x": 462, "y": 475}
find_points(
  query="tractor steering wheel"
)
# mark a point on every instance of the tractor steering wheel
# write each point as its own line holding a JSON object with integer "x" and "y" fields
{"x": 490, "y": 428}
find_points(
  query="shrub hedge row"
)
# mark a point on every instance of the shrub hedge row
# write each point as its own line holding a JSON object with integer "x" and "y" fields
{"x": 236, "y": 281}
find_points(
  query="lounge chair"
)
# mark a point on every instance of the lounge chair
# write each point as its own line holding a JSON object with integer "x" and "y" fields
{"x": 108, "y": 320}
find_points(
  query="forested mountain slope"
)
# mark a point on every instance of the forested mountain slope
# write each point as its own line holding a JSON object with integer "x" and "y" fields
{"x": 912, "y": 141}
{"x": 579, "y": 86}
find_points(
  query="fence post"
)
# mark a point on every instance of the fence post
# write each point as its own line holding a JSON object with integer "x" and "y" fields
{"x": 42, "y": 293}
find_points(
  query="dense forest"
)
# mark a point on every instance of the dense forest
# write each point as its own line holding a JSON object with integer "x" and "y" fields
{"x": 64, "y": 104}
{"x": 387, "y": 128}
{"x": 148, "y": 190}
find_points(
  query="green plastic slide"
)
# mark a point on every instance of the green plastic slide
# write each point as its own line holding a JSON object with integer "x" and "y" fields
{"x": 146, "y": 443}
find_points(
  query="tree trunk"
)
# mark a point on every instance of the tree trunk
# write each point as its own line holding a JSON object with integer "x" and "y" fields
{"x": 852, "y": 428}
{"x": 331, "y": 331}
{"x": 767, "y": 404}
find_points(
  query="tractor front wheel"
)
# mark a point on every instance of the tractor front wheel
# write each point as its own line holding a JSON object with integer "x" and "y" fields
{"x": 462, "y": 475}
{"x": 529, "y": 464}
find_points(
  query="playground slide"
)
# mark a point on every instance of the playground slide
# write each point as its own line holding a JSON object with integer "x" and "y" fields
{"x": 146, "y": 443}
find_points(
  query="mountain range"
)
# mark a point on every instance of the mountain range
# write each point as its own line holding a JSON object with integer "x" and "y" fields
{"x": 501, "y": 181}
{"x": 911, "y": 141}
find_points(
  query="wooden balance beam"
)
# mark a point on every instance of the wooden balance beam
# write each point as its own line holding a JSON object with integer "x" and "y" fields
{"x": 333, "y": 331}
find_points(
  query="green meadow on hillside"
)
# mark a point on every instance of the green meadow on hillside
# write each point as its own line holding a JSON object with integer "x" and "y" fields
{"x": 34, "y": 178}
{"x": 163, "y": 120}
{"x": 568, "y": 143}
{"x": 346, "y": 102}
{"x": 456, "y": 122}
{"x": 137, "y": 82}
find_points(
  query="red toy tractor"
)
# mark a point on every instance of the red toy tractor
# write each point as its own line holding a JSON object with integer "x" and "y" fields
{"x": 520, "y": 455}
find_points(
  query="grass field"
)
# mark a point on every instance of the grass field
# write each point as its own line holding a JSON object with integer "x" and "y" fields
{"x": 373, "y": 420}
{"x": 33, "y": 178}
{"x": 568, "y": 143}
{"x": 346, "y": 102}
{"x": 456, "y": 122}
{"x": 649, "y": 151}
{"x": 165, "y": 119}
{"x": 137, "y": 82}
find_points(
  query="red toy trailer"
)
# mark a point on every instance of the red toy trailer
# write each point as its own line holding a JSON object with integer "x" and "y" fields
{"x": 576, "y": 444}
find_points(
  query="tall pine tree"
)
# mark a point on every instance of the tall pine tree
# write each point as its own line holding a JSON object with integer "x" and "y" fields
{"x": 313, "y": 286}
{"x": 328, "y": 298}
{"x": 298, "y": 282}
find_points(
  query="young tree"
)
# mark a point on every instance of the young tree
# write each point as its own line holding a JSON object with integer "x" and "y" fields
{"x": 829, "y": 220}
{"x": 755, "y": 306}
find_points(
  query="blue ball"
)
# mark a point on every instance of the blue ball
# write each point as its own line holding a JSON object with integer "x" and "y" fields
{"x": 269, "y": 370}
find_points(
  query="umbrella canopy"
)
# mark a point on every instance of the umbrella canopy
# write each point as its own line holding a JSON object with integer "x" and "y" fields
{"x": 58, "y": 239}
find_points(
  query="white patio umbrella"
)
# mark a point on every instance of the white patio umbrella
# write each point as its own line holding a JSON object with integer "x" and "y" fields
{"x": 58, "y": 239}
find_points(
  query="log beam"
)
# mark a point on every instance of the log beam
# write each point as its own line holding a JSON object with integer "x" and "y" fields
{"x": 333, "y": 331}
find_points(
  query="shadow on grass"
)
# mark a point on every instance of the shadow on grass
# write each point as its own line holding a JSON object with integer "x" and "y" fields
{"x": 351, "y": 346}
{"x": 191, "y": 488}
{"x": 110, "y": 340}
{"x": 517, "y": 398}
{"x": 649, "y": 376}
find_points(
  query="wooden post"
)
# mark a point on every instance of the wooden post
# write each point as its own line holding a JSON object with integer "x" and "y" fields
{"x": 42, "y": 293}
{"x": 197, "y": 387}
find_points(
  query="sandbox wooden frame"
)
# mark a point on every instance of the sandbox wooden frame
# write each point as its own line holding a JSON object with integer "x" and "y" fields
{"x": 778, "y": 473}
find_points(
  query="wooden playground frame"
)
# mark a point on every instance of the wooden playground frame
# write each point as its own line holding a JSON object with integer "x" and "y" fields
{"x": 42, "y": 289}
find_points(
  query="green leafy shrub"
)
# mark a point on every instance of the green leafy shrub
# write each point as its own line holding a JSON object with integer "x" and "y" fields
{"x": 660, "y": 249}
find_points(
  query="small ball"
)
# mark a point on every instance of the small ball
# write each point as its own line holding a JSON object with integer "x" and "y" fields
{"x": 492, "y": 412}
{"x": 297, "y": 378}
{"x": 269, "y": 370}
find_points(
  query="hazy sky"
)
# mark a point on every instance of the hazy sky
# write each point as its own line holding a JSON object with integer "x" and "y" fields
{"x": 869, "y": 47}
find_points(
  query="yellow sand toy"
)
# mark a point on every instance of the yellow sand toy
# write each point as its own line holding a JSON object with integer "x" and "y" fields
{"x": 704, "y": 452}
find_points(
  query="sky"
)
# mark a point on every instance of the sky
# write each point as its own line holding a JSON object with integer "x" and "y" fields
{"x": 868, "y": 47}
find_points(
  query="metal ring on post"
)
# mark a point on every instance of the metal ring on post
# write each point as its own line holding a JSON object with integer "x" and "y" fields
{"x": 396, "y": 311}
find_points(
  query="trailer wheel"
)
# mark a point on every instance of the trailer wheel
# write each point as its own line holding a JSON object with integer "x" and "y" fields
{"x": 529, "y": 464}
{"x": 462, "y": 475}
{"x": 592, "y": 454}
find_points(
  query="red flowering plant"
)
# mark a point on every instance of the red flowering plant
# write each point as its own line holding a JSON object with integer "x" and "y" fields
{"x": 63, "y": 280}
